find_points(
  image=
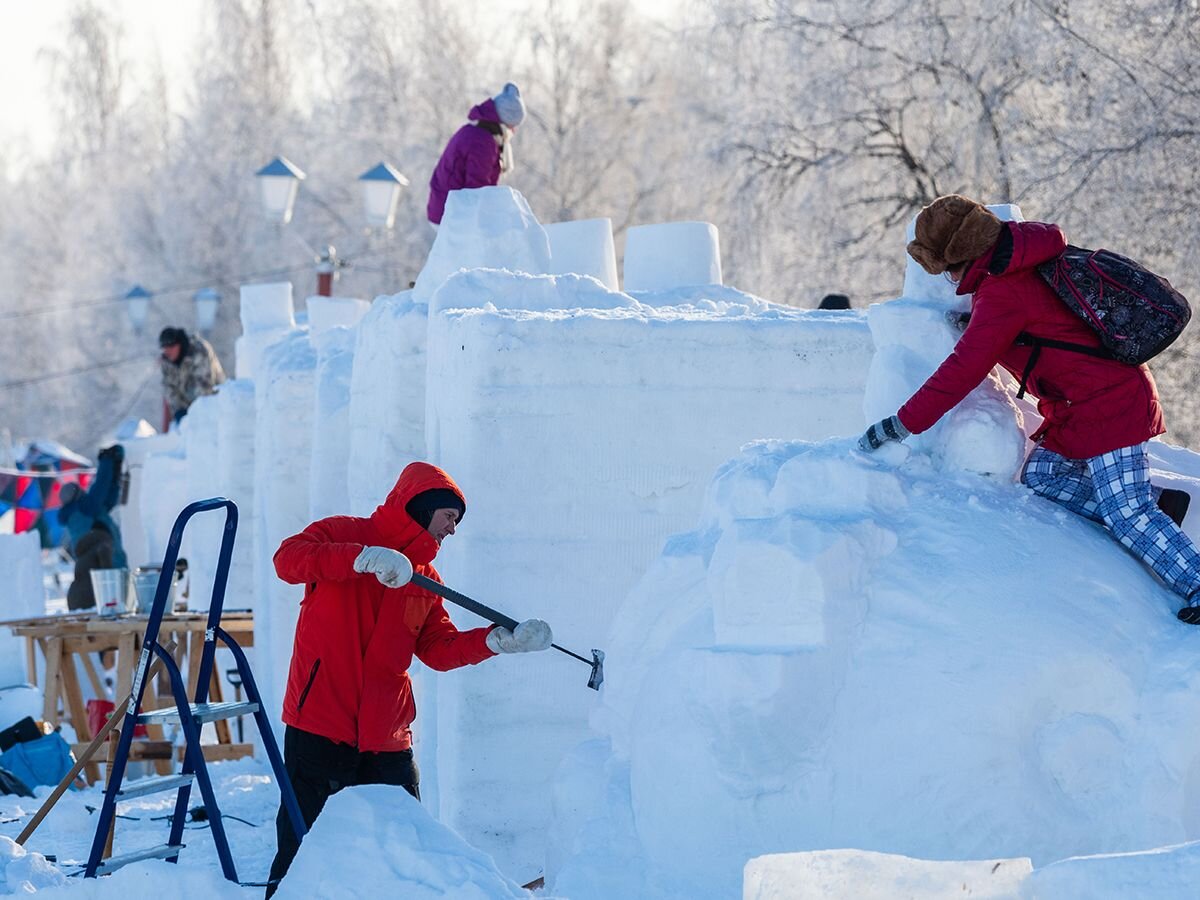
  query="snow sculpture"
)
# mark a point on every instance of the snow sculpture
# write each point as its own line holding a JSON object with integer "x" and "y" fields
{"x": 202, "y": 539}
{"x": 235, "y": 469}
{"x": 671, "y": 255}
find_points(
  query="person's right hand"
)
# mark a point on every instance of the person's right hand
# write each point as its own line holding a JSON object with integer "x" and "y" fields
{"x": 391, "y": 567}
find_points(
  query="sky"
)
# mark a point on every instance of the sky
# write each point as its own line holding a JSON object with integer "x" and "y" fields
{"x": 153, "y": 29}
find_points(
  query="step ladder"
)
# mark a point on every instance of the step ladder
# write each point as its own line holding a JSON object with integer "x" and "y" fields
{"x": 191, "y": 716}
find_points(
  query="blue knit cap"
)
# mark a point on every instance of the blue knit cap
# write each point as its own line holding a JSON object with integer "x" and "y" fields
{"x": 509, "y": 106}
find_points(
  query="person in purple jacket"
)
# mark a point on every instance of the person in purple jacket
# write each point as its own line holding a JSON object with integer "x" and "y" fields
{"x": 479, "y": 151}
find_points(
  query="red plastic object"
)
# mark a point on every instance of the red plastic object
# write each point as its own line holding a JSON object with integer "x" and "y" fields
{"x": 98, "y": 712}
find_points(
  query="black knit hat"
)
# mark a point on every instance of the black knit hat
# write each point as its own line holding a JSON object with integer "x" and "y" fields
{"x": 422, "y": 506}
{"x": 171, "y": 335}
{"x": 835, "y": 301}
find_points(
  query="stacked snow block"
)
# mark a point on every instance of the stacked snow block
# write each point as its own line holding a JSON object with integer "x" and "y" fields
{"x": 598, "y": 428}
{"x": 333, "y": 327}
{"x": 267, "y": 315}
{"x": 584, "y": 247}
{"x": 283, "y": 440}
{"x": 387, "y": 398}
{"x": 671, "y": 255}
{"x": 202, "y": 540}
{"x": 235, "y": 471}
{"x": 24, "y": 596}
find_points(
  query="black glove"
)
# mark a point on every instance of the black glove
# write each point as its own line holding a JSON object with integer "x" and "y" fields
{"x": 958, "y": 320}
{"x": 890, "y": 429}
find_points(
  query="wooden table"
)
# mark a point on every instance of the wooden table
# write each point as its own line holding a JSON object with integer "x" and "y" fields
{"x": 63, "y": 639}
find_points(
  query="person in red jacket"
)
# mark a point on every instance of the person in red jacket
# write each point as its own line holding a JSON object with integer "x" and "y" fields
{"x": 1097, "y": 413}
{"x": 348, "y": 708}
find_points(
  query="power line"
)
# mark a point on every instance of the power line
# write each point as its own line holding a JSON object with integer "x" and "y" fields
{"x": 161, "y": 292}
{"x": 79, "y": 371}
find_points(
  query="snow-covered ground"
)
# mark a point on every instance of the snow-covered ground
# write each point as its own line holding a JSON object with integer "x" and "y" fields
{"x": 906, "y": 658}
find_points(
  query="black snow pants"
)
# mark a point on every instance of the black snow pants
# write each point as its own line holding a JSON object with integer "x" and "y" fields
{"x": 318, "y": 768}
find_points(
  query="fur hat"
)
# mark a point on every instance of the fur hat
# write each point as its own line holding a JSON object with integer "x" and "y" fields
{"x": 509, "y": 106}
{"x": 953, "y": 230}
{"x": 422, "y": 506}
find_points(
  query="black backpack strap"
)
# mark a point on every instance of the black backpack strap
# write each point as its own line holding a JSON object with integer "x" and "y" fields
{"x": 1025, "y": 339}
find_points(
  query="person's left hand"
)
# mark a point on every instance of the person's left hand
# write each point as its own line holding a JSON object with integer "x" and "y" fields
{"x": 530, "y": 635}
{"x": 889, "y": 429}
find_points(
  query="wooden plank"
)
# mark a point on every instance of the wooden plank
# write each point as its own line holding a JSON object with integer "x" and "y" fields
{"x": 195, "y": 655}
{"x": 74, "y": 702}
{"x": 127, "y": 657}
{"x": 31, "y": 660}
{"x": 220, "y": 752}
{"x": 89, "y": 669}
{"x": 53, "y": 650}
{"x": 215, "y": 696}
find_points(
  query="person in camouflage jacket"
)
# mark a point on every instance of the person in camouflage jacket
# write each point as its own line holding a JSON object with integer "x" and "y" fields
{"x": 190, "y": 369}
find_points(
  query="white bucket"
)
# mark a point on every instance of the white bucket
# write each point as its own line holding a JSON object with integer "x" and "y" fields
{"x": 111, "y": 587}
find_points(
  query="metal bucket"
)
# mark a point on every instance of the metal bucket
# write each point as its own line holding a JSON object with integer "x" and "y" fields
{"x": 145, "y": 585}
{"x": 111, "y": 587}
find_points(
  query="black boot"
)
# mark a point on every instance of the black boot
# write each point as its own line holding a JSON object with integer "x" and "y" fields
{"x": 1175, "y": 504}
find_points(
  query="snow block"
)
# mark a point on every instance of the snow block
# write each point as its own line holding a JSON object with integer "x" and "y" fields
{"x": 863, "y": 875}
{"x": 235, "y": 469}
{"x": 163, "y": 495}
{"x": 267, "y": 315}
{"x": 584, "y": 247}
{"x": 329, "y": 484}
{"x": 133, "y": 528}
{"x": 490, "y": 228}
{"x": 385, "y": 844}
{"x": 325, "y": 313}
{"x": 606, "y": 422}
{"x": 24, "y": 595}
{"x": 387, "y": 398}
{"x": 284, "y": 404}
{"x": 202, "y": 539}
{"x": 671, "y": 255}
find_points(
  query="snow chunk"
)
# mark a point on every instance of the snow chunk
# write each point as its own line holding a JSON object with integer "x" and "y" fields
{"x": 489, "y": 227}
{"x": 24, "y": 595}
{"x": 671, "y": 255}
{"x": 861, "y": 875}
{"x": 584, "y": 247}
{"x": 24, "y": 872}
{"x": 394, "y": 848}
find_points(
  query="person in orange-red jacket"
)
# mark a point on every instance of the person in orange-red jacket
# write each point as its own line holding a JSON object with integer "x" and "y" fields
{"x": 1097, "y": 413}
{"x": 349, "y": 708}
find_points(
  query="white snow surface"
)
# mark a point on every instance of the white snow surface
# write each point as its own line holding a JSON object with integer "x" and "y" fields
{"x": 396, "y": 845}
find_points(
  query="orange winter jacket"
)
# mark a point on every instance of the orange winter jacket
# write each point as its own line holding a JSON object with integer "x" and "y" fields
{"x": 355, "y": 638}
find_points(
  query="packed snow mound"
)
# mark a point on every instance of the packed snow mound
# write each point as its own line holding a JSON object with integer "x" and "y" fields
{"x": 384, "y": 843}
{"x": 22, "y": 872}
{"x": 849, "y": 645}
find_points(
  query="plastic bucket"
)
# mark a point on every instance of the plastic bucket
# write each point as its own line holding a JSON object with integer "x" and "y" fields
{"x": 145, "y": 585}
{"x": 111, "y": 587}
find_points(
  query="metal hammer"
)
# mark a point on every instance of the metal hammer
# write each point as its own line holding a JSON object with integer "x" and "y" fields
{"x": 596, "y": 662}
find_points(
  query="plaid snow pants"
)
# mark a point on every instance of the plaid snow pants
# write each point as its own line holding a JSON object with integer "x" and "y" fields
{"x": 1114, "y": 490}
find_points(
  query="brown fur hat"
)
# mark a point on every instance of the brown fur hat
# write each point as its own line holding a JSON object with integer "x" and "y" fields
{"x": 953, "y": 230}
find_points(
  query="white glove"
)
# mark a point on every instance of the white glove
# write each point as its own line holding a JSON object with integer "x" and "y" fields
{"x": 391, "y": 567}
{"x": 532, "y": 634}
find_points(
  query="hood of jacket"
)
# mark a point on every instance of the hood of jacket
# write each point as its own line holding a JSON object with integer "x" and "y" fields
{"x": 396, "y": 527}
{"x": 1022, "y": 245}
{"x": 484, "y": 112}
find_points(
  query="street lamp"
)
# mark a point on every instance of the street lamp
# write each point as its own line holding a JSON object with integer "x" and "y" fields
{"x": 137, "y": 303}
{"x": 278, "y": 182}
{"x": 207, "y": 301}
{"x": 381, "y": 194}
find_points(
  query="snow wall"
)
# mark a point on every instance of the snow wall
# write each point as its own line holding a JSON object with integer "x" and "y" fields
{"x": 583, "y": 425}
{"x": 24, "y": 596}
{"x": 906, "y": 652}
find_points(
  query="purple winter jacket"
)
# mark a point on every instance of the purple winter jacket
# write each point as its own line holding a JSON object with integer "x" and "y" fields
{"x": 471, "y": 160}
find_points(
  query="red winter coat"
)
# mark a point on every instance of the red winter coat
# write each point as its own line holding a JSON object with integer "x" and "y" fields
{"x": 355, "y": 638}
{"x": 471, "y": 160}
{"x": 1090, "y": 405}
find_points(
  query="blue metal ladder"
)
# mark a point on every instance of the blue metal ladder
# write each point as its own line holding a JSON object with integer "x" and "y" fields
{"x": 191, "y": 715}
